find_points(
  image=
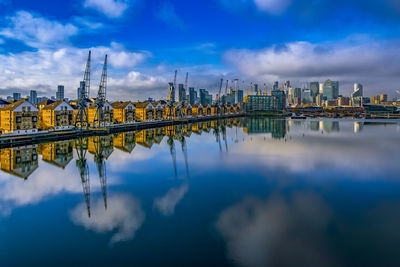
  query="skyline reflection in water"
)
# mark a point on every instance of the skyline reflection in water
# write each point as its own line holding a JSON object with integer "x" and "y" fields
{"x": 247, "y": 192}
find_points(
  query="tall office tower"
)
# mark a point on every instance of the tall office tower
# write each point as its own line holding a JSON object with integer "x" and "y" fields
{"x": 276, "y": 86}
{"x": 331, "y": 90}
{"x": 240, "y": 95}
{"x": 358, "y": 90}
{"x": 33, "y": 97}
{"x": 383, "y": 98}
{"x": 171, "y": 92}
{"x": 321, "y": 88}
{"x": 17, "y": 96}
{"x": 192, "y": 96}
{"x": 255, "y": 89}
{"x": 205, "y": 97}
{"x": 60, "y": 92}
{"x": 181, "y": 93}
{"x": 314, "y": 87}
{"x": 296, "y": 96}
{"x": 81, "y": 90}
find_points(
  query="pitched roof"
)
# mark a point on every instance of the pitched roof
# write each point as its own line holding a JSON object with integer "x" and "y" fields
{"x": 53, "y": 105}
{"x": 120, "y": 104}
{"x": 14, "y": 105}
{"x": 142, "y": 104}
{"x": 3, "y": 102}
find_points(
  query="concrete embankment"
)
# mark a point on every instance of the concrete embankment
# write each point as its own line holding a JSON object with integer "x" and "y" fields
{"x": 20, "y": 140}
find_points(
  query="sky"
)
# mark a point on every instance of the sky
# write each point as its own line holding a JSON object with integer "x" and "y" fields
{"x": 45, "y": 43}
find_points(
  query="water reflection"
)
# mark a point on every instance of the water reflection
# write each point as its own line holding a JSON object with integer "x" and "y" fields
{"x": 271, "y": 191}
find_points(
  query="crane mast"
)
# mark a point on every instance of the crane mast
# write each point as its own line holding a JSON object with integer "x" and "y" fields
{"x": 101, "y": 96}
{"x": 83, "y": 93}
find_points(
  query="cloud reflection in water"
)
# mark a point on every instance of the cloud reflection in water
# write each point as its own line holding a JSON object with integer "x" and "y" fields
{"x": 278, "y": 231}
{"x": 124, "y": 215}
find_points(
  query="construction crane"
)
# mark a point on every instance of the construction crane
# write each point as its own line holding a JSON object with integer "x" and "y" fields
{"x": 171, "y": 145}
{"x": 182, "y": 140}
{"x": 100, "y": 161}
{"x": 81, "y": 146}
{"x": 99, "y": 118}
{"x": 219, "y": 93}
{"x": 223, "y": 129}
{"x": 83, "y": 94}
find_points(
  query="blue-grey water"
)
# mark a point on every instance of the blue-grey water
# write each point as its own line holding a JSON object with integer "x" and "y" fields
{"x": 241, "y": 192}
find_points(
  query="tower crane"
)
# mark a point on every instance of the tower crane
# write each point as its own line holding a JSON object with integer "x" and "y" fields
{"x": 219, "y": 93}
{"x": 171, "y": 145}
{"x": 100, "y": 161}
{"x": 182, "y": 140}
{"x": 81, "y": 147}
{"x": 101, "y": 97}
{"x": 83, "y": 93}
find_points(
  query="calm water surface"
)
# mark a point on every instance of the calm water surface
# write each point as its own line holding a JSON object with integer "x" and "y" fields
{"x": 243, "y": 192}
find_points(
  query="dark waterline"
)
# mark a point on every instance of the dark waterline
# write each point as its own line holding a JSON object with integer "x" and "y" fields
{"x": 246, "y": 192}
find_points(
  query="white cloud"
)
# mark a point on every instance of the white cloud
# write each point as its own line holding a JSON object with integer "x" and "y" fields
{"x": 37, "y": 31}
{"x": 110, "y": 8}
{"x": 44, "y": 69}
{"x": 272, "y": 6}
{"x": 124, "y": 215}
{"x": 166, "y": 204}
{"x": 356, "y": 59}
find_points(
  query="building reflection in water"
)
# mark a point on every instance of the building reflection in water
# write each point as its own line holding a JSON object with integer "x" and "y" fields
{"x": 329, "y": 126}
{"x": 277, "y": 127}
{"x": 23, "y": 161}
{"x": 58, "y": 154}
{"x": 20, "y": 161}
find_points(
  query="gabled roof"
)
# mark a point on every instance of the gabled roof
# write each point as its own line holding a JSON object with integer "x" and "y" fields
{"x": 3, "y": 102}
{"x": 15, "y": 105}
{"x": 142, "y": 104}
{"x": 54, "y": 105}
{"x": 120, "y": 104}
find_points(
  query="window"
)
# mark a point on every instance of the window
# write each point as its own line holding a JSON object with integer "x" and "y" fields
{"x": 29, "y": 109}
{"x": 34, "y": 119}
{"x": 18, "y": 119}
{"x": 23, "y": 109}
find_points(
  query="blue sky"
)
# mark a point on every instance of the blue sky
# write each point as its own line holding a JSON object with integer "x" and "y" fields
{"x": 44, "y": 43}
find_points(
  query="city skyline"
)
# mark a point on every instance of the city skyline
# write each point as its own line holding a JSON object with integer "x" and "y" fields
{"x": 44, "y": 44}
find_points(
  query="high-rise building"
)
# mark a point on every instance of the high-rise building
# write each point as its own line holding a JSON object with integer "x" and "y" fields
{"x": 192, "y": 96}
{"x": 240, "y": 95}
{"x": 181, "y": 93}
{"x": 33, "y": 97}
{"x": 314, "y": 87}
{"x": 275, "y": 86}
{"x": 358, "y": 90}
{"x": 60, "y": 92}
{"x": 81, "y": 90}
{"x": 17, "y": 96}
{"x": 205, "y": 97}
{"x": 331, "y": 90}
{"x": 383, "y": 98}
{"x": 171, "y": 92}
